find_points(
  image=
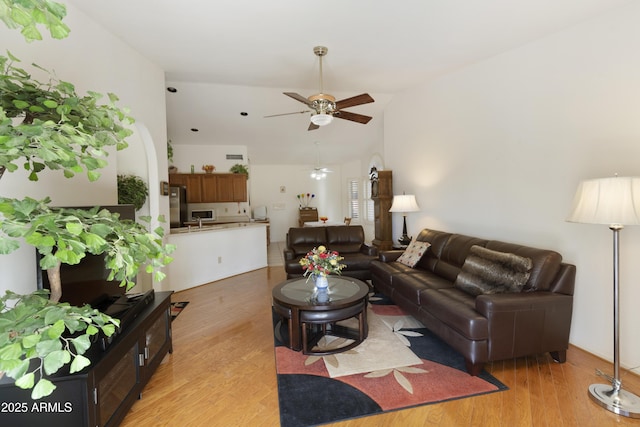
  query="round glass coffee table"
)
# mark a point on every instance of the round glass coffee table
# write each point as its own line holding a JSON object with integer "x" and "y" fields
{"x": 308, "y": 321}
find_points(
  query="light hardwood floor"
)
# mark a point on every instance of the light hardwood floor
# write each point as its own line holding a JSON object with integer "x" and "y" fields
{"x": 222, "y": 373}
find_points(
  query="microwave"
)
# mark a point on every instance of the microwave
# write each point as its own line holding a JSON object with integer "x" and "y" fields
{"x": 204, "y": 214}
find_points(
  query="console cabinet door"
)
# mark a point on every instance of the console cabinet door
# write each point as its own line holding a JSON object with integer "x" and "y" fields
{"x": 117, "y": 386}
{"x": 157, "y": 342}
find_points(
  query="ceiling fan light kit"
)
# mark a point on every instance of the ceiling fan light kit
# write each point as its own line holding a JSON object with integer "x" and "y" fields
{"x": 321, "y": 119}
{"x": 324, "y": 107}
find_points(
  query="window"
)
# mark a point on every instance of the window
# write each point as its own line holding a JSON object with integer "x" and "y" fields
{"x": 353, "y": 192}
{"x": 369, "y": 214}
{"x": 359, "y": 199}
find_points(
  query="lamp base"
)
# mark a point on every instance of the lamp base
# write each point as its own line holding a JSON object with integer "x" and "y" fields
{"x": 404, "y": 240}
{"x": 620, "y": 402}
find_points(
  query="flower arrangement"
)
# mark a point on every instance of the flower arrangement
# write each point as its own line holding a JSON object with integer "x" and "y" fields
{"x": 208, "y": 168}
{"x": 304, "y": 199}
{"x": 321, "y": 262}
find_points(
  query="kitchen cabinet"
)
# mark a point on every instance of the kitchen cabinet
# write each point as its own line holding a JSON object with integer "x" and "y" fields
{"x": 101, "y": 394}
{"x": 192, "y": 182}
{"x": 212, "y": 188}
{"x": 209, "y": 188}
{"x": 232, "y": 188}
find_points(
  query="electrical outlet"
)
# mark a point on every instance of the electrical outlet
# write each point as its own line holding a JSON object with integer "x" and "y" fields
{"x": 226, "y": 210}
{"x": 219, "y": 260}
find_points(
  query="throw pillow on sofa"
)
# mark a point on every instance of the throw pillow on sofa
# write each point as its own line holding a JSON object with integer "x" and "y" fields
{"x": 413, "y": 253}
{"x": 490, "y": 272}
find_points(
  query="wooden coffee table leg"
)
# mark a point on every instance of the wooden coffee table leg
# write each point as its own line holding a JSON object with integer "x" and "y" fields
{"x": 294, "y": 339}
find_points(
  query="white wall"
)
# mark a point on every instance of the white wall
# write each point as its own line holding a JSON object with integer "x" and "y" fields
{"x": 91, "y": 59}
{"x": 282, "y": 207}
{"x": 497, "y": 149}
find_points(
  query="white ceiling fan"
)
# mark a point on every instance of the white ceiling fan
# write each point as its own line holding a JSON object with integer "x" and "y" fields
{"x": 319, "y": 172}
{"x": 324, "y": 107}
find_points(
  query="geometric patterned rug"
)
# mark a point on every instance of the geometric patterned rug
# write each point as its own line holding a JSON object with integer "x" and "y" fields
{"x": 176, "y": 308}
{"x": 401, "y": 364}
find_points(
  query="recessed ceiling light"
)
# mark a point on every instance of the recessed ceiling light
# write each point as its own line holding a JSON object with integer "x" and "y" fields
{"x": 172, "y": 89}
{"x": 194, "y": 129}
{"x": 244, "y": 113}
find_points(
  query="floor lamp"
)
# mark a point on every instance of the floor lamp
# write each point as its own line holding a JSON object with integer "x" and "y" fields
{"x": 616, "y": 203}
{"x": 404, "y": 203}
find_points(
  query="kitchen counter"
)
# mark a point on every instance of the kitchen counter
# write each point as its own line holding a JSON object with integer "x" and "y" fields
{"x": 211, "y": 226}
{"x": 220, "y": 220}
{"x": 214, "y": 252}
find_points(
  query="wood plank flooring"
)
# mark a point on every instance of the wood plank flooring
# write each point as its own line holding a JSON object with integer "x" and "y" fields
{"x": 222, "y": 373}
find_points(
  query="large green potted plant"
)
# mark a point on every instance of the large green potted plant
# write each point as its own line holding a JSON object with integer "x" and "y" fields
{"x": 49, "y": 126}
{"x": 132, "y": 190}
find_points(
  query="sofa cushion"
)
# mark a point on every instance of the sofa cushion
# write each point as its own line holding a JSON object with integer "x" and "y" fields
{"x": 302, "y": 240}
{"x": 411, "y": 286}
{"x": 456, "y": 309}
{"x": 413, "y": 253}
{"x": 491, "y": 272}
{"x": 454, "y": 253}
{"x": 546, "y": 263}
{"x": 345, "y": 239}
{"x": 386, "y": 270}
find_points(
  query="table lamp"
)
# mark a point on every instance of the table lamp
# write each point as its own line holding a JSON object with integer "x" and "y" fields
{"x": 614, "y": 202}
{"x": 403, "y": 204}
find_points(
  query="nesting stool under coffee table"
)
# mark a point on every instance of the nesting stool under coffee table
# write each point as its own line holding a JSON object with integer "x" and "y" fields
{"x": 309, "y": 321}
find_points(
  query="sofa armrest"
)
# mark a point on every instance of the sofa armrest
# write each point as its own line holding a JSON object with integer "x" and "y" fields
{"x": 526, "y": 322}
{"x": 368, "y": 250}
{"x": 289, "y": 255}
{"x": 389, "y": 256}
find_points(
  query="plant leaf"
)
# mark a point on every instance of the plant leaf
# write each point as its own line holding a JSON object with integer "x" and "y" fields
{"x": 42, "y": 389}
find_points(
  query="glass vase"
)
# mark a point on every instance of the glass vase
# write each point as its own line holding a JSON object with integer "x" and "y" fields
{"x": 321, "y": 290}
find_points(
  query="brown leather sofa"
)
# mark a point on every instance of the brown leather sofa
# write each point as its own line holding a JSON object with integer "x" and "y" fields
{"x": 347, "y": 240}
{"x": 485, "y": 327}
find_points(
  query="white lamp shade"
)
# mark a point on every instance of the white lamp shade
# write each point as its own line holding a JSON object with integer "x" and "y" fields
{"x": 610, "y": 201}
{"x": 321, "y": 119}
{"x": 404, "y": 203}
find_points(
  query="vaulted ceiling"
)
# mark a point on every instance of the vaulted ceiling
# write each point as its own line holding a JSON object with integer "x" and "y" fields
{"x": 226, "y": 57}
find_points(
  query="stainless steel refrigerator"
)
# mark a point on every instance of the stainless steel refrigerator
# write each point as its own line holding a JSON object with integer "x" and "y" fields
{"x": 177, "y": 206}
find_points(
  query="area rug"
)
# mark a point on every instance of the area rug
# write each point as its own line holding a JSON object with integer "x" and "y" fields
{"x": 176, "y": 308}
{"x": 400, "y": 365}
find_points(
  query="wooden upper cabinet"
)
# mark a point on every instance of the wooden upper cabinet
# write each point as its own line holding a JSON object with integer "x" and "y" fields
{"x": 194, "y": 189}
{"x": 212, "y": 188}
{"x": 239, "y": 186}
{"x": 192, "y": 182}
{"x": 225, "y": 188}
{"x": 232, "y": 188}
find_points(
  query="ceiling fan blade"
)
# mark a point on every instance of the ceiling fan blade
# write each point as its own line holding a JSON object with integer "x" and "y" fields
{"x": 353, "y": 101}
{"x": 360, "y": 118}
{"x": 288, "y": 114}
{"x": 298, "y": 97}
{"x": 313, "y": 126}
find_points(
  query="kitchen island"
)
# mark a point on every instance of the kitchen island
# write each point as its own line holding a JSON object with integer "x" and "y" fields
{"x": 214, "y": 252}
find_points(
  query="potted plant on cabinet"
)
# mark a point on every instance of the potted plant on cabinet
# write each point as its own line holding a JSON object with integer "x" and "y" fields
{"x": 53, "y": 128}
{"x": 239, "y": 168}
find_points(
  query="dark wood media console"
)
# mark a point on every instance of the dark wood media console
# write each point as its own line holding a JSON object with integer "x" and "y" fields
{"x": 102, "y": 394}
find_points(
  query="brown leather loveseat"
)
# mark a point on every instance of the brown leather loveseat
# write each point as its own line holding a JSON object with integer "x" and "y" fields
{"x": 347, "y": 240}
{"x": 533, "y": 319}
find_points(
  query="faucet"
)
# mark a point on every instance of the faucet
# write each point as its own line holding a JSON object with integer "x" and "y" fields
{"x": 199, "y": 222}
